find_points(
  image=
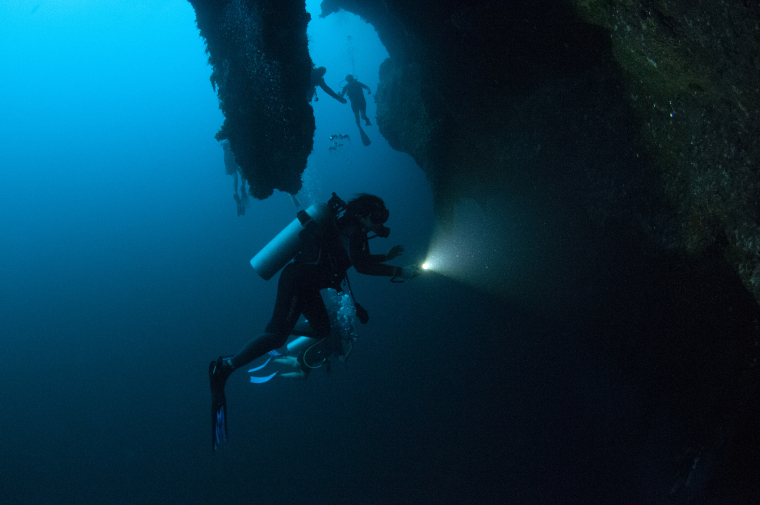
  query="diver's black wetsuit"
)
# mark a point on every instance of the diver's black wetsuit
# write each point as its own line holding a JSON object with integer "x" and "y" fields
{"x": 299, "y": 285}
{"x": 317, "y": 79}
{"x": 356, "y": 94}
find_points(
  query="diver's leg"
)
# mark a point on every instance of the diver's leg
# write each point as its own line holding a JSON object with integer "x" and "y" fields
{"x": 356, "y": 115}
{"x": 292, "y": 375}
{"x": 287, "y": 361}
{"x": 315, "y": 312}
{"x": 257, "y": 346}
{"x": 292, "y": 362}
{"x": 293, "y": 295}
{"x": 364, "y": 115}
{"x": 239, "y": 204}
{"x": 288, "y": 307}
{"x": 243, "y": 192}
{"x": 303, "y": 329}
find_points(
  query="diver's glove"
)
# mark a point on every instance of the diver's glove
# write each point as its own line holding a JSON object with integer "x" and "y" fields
{"x": 396, "y": 250}
{"x": 361, "y": 313}
{"x": 410, "y": 272}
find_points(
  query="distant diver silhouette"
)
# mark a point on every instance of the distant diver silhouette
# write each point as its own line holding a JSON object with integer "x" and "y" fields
{"x": 233, "y": 169}
{"x": 318, "y": 79}
{"x": 355, "y": 92}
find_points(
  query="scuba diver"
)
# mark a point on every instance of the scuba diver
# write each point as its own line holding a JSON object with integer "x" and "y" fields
{"x": 232, "y": 168}
{"x": 318, "y": 79}
{"x": 307, "y": 352}
{"x": 358, "y": 104}
{"x": 326, "y": 246}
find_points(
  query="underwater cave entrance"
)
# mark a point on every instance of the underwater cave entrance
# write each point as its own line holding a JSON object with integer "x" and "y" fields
{"x": 468, "y": 251}
{"x": 344, "y": 44}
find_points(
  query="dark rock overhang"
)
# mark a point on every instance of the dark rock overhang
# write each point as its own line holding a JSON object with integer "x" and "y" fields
{"x": 655, "y": 105}
{"x": 261, "y": 70}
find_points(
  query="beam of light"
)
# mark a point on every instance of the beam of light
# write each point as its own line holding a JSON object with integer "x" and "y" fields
{"x": 527, "y": 250}
{"x": 476, "y": 247}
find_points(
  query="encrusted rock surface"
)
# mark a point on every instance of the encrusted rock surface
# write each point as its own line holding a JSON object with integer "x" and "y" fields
{"x": 261, "y": 69}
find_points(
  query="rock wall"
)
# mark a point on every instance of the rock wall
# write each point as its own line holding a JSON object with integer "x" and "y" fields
{"x": 628, "y": 130}
{"x": 691, "y": 74}
{"x": 486, "y": 96}
{"x": 261, "y": 70}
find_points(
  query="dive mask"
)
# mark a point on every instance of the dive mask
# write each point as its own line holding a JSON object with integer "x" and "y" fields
{"x": 379, "y": 216}
{"x": 382, "y": 232}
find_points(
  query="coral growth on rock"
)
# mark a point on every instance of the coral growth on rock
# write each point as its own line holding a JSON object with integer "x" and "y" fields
{"x": 691, "y": 77}
{"x": 261, "y": 70}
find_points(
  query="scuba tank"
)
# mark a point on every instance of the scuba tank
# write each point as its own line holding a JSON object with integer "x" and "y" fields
{"x": 283, "y": 248}
{"x": 299, "y": 344}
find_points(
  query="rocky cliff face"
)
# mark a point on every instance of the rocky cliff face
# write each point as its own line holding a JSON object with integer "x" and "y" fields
{"x": 631, "y": 125}
{"x": 652, "y": 106}
{"x": 261, "y": 69}
{"x": 640, "y": 110}
{"x": 691, "y": 75}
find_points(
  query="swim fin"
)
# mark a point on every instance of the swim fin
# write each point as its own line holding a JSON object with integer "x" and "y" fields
{"x": 218, "y": 372}
{"x": 260, "y": 366}
{"x": 365, "y": 138}
{"x": 262, "y": 380}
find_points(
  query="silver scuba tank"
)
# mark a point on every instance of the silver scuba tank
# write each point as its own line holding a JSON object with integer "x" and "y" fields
{"x": 281, "y": 249}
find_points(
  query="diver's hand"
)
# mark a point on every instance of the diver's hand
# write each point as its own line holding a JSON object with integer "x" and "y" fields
{"x": 396, "y": 250}
{"x": 342, "y": 100}
{"x": 410, "y": 271}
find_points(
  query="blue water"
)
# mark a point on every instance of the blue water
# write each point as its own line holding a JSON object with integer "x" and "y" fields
{"x": 124, "y": 270}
